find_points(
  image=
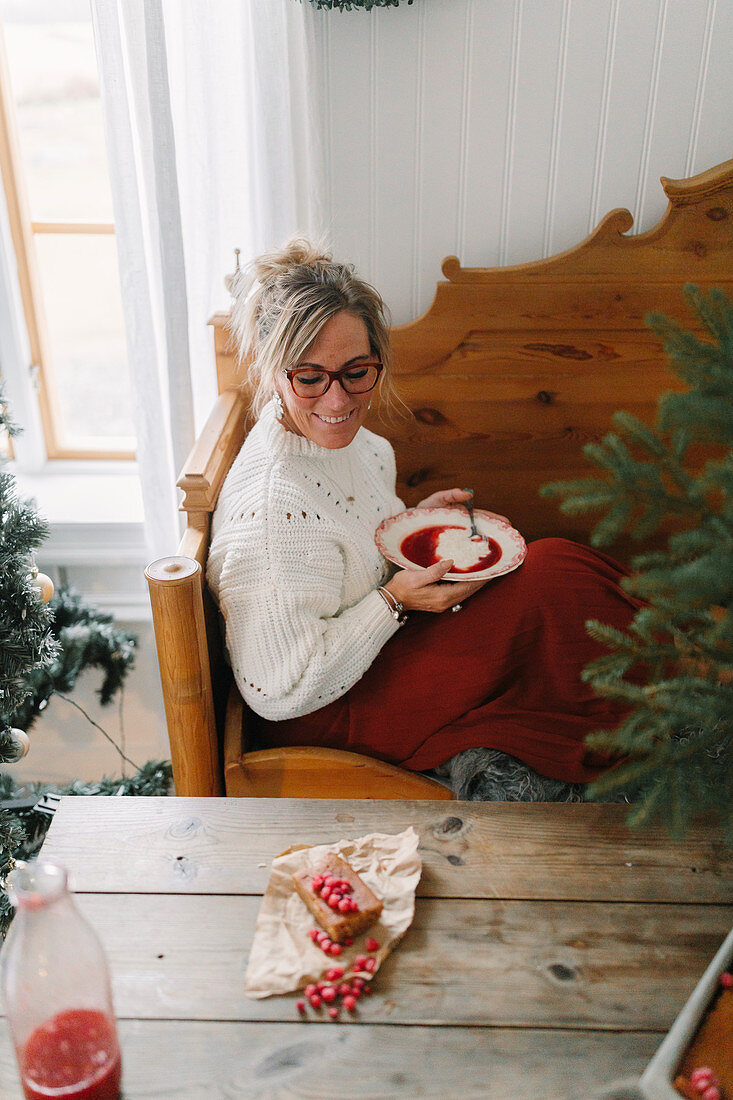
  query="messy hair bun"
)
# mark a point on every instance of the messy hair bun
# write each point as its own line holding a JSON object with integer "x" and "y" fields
{"x": 282, "y": 300}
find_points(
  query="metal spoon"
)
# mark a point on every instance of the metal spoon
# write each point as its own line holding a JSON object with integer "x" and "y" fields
{"x": 476, "y": 536}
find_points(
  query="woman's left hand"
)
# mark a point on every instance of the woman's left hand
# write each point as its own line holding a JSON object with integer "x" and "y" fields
{"x": 446, "y": 498}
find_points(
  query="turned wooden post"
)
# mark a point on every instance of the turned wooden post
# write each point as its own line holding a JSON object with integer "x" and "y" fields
{"x": 176, "y": 597}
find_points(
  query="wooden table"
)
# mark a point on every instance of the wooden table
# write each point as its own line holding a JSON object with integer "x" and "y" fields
{"x": 550, "y": 951}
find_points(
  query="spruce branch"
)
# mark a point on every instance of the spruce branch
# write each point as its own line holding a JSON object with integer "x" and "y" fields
{"x": 672, "y": 671}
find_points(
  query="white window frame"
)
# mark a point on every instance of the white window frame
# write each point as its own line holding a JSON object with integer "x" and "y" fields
{"x": 94, "y": 506}
{"x": 18, "y": 233}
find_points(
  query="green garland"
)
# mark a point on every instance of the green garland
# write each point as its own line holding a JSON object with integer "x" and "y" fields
{"x": 86, "y": 638}
{"x": 349, "y": 5}
{"x": 22, "y": 831}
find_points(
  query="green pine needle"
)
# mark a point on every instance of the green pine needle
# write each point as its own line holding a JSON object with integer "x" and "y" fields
{"x": 673, "y": 669}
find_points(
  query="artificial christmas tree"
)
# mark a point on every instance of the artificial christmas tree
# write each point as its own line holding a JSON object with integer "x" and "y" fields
{"x": 674, "y": 668}
{"x": 45, "y": 643}
{"x": 26, "y": 641}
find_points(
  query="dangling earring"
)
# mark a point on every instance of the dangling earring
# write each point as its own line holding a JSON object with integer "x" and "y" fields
{"x": 279, "y": 407}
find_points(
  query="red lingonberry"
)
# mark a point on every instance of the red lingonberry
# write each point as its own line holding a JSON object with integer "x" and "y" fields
{"x": 371, "y": 944}
{"x": 314, "y": 934}
{"x": 300, "y": 1005}
{"x": 349, "y": 1003}
{"x": 335, "y": 949}
{"x": 325, "y": 943}
{"x": 329, "y": 994}
{"x": 348, "y": 941}
{"x": 726, "y": 980}
{"x": 317, "y": 882}
{"x": 333, "y": 1012}
{"x": 360, "y": 962}
{"x": 712, "y": 1093}
{"x": 344, "y": 906}
{"x": 701, "y": 1078}
{"x": 366, "y": 989}
{"x": 344, "y": 990}
{"x": 334, "y": 973}
{"x": 370, "y": 964}
{"x": 315, "y": 1001}
{"x": 310, "y": 990}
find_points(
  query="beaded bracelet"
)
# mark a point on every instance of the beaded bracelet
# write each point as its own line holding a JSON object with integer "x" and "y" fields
{"x": 396, "y": 609}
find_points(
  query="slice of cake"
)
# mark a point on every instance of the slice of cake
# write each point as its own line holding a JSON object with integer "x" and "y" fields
{"x": 340, "y": 901}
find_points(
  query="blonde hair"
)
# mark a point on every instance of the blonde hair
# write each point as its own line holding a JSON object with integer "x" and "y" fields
{"x": 282, "y": 300}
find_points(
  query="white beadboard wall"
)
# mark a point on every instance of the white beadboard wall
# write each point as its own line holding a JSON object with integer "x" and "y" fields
{"x": 503, "y": 130}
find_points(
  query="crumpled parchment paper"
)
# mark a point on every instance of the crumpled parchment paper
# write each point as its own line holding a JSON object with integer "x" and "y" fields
{"x": 283, "y": 957}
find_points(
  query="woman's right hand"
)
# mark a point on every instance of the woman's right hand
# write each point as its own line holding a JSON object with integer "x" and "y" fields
{"x": 420, "y": 590}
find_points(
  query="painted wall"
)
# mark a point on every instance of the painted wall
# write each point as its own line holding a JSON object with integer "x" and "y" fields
{"x": 501, "y": 131}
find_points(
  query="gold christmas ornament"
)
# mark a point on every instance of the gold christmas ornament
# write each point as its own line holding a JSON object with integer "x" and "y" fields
{"x": 20, "y": 745}
{"x": 43, "y": 586}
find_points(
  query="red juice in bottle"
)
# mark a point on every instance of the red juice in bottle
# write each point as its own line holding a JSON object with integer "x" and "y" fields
{"x": 57, "y": 991}
{"x": 74, "y": 1056}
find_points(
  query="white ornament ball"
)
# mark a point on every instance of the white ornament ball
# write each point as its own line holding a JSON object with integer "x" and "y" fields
{"x": 19, "y": 747}
{"x": 43, "y": 586}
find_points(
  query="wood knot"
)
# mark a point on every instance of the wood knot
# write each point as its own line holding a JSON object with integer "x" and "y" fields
{"x": 450, "y": 825}
{"x": 562, "y": 351}
{"x": 186, "y": 827}
{"x": 544, "y": 397}
{"x": 455, "y": 860}
{"x": 697, "y": 248}
{"x": 418, "y": 477}
{"x": 430, "y": 416}
{"x": 184, "y": 869}
{"x": 562, "y": 973}
{"x": 716, "y": 213}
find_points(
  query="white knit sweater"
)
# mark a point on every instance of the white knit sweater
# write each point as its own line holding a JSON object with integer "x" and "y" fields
{"x": 295, "y": 568}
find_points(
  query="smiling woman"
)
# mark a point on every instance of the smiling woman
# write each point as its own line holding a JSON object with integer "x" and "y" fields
{"x": 314, "y": 610}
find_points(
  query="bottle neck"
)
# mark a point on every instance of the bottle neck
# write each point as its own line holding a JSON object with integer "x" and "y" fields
{"x": 37, "y": 885}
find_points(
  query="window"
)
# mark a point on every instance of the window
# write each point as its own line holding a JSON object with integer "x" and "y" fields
{"x": 59, "y": 209}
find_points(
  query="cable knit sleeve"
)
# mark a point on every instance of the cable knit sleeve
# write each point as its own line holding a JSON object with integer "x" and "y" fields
{"x": 280, "y": 578}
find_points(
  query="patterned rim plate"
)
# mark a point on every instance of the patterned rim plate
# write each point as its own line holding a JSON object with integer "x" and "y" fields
{"x": 391, "y": 533}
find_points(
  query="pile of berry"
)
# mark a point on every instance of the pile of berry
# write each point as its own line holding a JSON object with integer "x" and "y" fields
{"x": 335, "y": 892}
{"x": 337, "y": 988}
{"x": 704, "y": 1082}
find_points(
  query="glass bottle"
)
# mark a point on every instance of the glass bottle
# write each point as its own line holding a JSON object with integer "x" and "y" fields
{"x": 57, "y": 992}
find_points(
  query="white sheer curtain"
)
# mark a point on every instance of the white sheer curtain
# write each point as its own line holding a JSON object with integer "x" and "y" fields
{"x": 212, "y": 145}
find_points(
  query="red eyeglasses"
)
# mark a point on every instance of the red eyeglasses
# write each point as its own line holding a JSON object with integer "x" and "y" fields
{"x": 314, "y": 382}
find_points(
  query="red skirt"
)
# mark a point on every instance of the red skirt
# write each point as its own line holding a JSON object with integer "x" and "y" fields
{"x": 503, "y": 673}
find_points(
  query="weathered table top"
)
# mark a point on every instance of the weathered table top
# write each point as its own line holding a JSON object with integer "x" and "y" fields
{"x": 550, "y": 951}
